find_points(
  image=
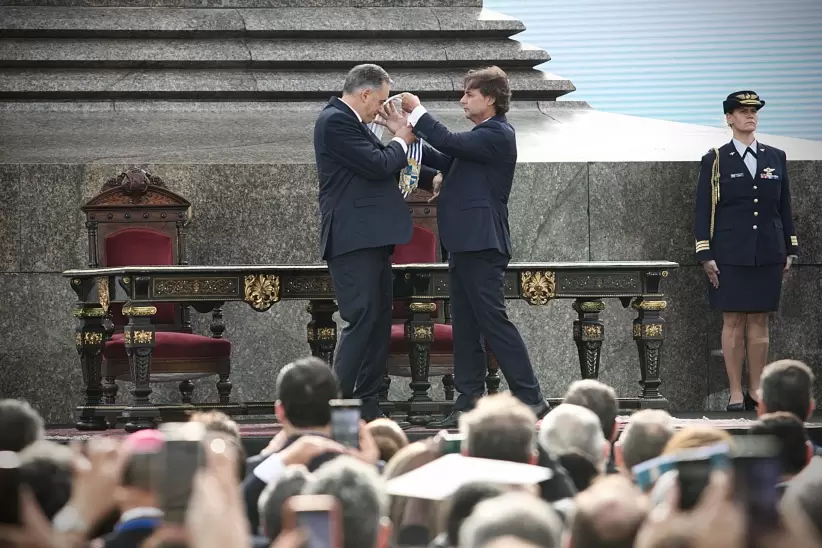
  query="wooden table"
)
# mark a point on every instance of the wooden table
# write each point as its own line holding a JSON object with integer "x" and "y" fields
{"x": 206, "y": 288}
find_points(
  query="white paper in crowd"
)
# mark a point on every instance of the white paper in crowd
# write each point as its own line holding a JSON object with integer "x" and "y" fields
{"x": 270, "y": 469}
{"x": 439, "y": 479}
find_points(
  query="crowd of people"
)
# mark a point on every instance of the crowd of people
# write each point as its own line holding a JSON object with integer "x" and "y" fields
{"x": 600, "y": 487}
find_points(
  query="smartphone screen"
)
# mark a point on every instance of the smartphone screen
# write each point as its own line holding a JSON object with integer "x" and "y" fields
{"x": 693, "y": 478}
{"x": 452, "y": 443}
{"x": 757, "y": 472}
{"x": 317, "y": 526}
{"x": 183, "y": 454}
{"x": 345, "y": 422}
{"x": 9, "y": 488}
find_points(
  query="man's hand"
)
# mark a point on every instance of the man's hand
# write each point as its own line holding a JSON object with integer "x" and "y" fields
{"x": 712, "y": 271}
{"x": 407, "y": 135}
{"x": 436, "y": 186}
{"x": 410, "y": 102}
{"x": 306, "y": 448}
{"x": 391, "y": 118}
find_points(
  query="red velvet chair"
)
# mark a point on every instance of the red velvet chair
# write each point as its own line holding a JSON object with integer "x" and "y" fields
{"x": 135, "y": 220}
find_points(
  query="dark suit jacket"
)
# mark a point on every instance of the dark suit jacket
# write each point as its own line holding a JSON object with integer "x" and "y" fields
{"x": 360, "y": 203}
{"x": 753, "y": 223}
{"x": 479, "y": 170}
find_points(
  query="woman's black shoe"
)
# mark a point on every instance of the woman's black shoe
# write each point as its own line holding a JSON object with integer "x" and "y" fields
{"x": 750, "y": 403}
{"x": 735, "y": 407}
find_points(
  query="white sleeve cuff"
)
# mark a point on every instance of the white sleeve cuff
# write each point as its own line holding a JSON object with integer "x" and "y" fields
{"x": 270, "y": 469}
{"x": 402, "y": 143}
{"x": 416, "y": 114}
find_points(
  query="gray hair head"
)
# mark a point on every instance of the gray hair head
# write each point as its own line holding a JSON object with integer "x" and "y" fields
{"x": 270, "y": 504}
{"x": 599, "y": 398}
{"x": 358, "y": 487}
{"x": 517, "y": 515}
{"x": 365, "y": 76}
{"x": 500, "y": 427}
{"x": 573, "y": 429}
{"x": 645, "y": 436}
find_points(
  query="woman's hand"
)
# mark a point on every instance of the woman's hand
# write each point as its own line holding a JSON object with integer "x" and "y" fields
{"x": 713, "y": 272}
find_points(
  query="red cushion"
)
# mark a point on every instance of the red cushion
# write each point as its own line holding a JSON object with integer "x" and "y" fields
{"x": 421, "y": 249}
{"x": 443, "y": 339}
{"x": 169, "y": 344}
{"x": 140, "y": 247}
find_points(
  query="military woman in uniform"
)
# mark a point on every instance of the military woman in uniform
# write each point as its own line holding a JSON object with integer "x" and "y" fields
{"x": 745, "y": 240}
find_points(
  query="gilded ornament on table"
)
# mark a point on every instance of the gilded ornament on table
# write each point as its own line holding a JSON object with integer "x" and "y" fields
{"x": 139, "y": 311}
{"x": 142, "y": 337}
{"x": 102, "y": 293}
{"x": 650, "y": 305}
{"x": 262, "y": 290}
{"x": 422, "y": 332}
{"x": 326, "y": 333}
{"x": 592, "y": 331}
{"x": 653, "y": 330}
{"x": 637, "y": 330}
{"x": 422, "y": 307}
{"x": 89, "y": 313}
{"x": 538, "y": 287}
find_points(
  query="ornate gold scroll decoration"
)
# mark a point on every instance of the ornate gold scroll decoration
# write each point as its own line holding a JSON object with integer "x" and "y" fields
{"x": 142, "y": 337}
{"x": 422, "y": 307}
{"x": 650, "y": 305}
{"x": 326, "y": 333}
{"x": 588, "y": 306}
{"x": 421, "y": 333}
{"x": 592, "y": 331}
{"x": 89, "y": 313}
{"x": 139, "y": 311}
{"x": 262, "y": 291}
{"x": 653, "y": 330}
{"x": 538, "y": 287}
{"x": 89, "y": 337}
{"x": 102, "y": 293}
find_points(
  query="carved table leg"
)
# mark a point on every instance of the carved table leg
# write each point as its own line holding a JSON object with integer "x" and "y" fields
{"x": 419, "y": 334}
{"x": 588, "y": 336}
{"x": 110, "y": 390}
{"x": 649, "y": 336}
{"x": 492, "y": 379}
{"x": 217, "y": 329}
{"x": 384, "y": 388}
{"x": 89, "y": 339}
{"x": 186, "y": 390}
{"x": 448, "y": 387}
{"x": 322, "y": 330}
{"x": 139, "y": 342}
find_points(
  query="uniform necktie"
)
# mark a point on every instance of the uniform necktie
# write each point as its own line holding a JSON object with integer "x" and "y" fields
{"x": 750, "y": 151}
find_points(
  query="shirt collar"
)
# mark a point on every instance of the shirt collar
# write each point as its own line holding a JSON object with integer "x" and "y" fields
{"x": 357, "y": 114}
{"x": 140, "y": 512}
{"x": 740, "y": 147}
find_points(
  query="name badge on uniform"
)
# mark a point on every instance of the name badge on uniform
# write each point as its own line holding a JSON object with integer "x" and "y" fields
{"x": 736, "y": 175}
{"x": 768, "y": 174}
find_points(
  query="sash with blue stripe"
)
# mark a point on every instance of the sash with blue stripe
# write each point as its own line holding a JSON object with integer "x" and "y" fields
{"x": 410, "y": 176}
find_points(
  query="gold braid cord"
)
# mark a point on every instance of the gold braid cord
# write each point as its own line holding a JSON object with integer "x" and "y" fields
{"x": 714, "y": 189}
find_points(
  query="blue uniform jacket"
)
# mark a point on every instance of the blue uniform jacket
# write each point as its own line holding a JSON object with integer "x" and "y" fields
{"x": 752, "y": 220}
{"x": 478, "y": 168}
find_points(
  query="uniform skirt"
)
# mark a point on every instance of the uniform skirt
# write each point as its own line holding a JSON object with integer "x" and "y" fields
{"x": 747, "y": 288}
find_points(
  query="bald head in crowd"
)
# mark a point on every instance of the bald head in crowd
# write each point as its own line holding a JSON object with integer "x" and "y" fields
{"x": 643, "y": 439}
{"x": 571, "y": 429}
{"x": 608, "y": 513}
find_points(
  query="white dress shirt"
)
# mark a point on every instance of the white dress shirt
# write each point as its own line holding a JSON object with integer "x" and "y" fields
{"x": 402, "y": 143}
{"x": 750, "y": 159}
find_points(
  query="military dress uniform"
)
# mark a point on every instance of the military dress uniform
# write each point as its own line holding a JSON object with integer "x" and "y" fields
{"x": 743, "y": 220}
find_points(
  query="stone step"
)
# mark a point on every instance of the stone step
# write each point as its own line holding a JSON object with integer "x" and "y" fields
{"x": 254, "y": 53}
{"x": 243, "y": 84}
{"x": 155, "y": 22}
{"x": 339, "y": 4}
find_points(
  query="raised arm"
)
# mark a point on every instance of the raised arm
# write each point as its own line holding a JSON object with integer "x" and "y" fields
{"x": 481, "y": 145}
{"x": 347, "y": 144}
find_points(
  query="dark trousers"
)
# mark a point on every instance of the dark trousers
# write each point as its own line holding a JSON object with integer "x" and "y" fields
{"x": 363, "y": 284}
{"x": 477, "y": 312}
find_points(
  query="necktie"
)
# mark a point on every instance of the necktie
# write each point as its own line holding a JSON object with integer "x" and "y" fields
{"x": 750, "y": 151}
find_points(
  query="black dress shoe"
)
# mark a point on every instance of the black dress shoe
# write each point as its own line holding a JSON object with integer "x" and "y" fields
{"x": 735, "y": 407}
{"x": 750, "y": 403}
{"x": 541, "y": 409}
{"x": 449, "y": 422}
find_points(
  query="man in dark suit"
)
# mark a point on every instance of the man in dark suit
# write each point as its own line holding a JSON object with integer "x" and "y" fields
{"x": 478, "y": 168}
{"x": 363, "y": 216}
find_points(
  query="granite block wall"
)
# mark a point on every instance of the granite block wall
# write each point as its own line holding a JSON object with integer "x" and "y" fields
{"x": 267, "y": 213}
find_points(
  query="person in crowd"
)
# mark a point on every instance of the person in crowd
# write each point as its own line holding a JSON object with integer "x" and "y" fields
{"x": 389, "y": 436}
{"x": 219, "y": 425}
{"x": 691, "y": 437}
{"x": 745, "y": 240}
{"x": 608, "y": 514}
{"x": 291, "y": 483}
{"x": 500, "y": 427}
{"x": 602, "y": 400}
{"x": 574, "y": 434}
{"x": 460, "y": 507}
{"x": 787, "y": 385}
{"x": 304, "y": 389}
{"x": 644, "y": 438}
{"x": 45, "y": 467}
{"x": 796, "y": 449}
{"x": 20, "y": 425}
{"x": 363, "y": 501}
{"x": 518, "y": 515}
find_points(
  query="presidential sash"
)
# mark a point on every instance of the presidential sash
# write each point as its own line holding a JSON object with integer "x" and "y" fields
{"x": 410, "y": 176}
